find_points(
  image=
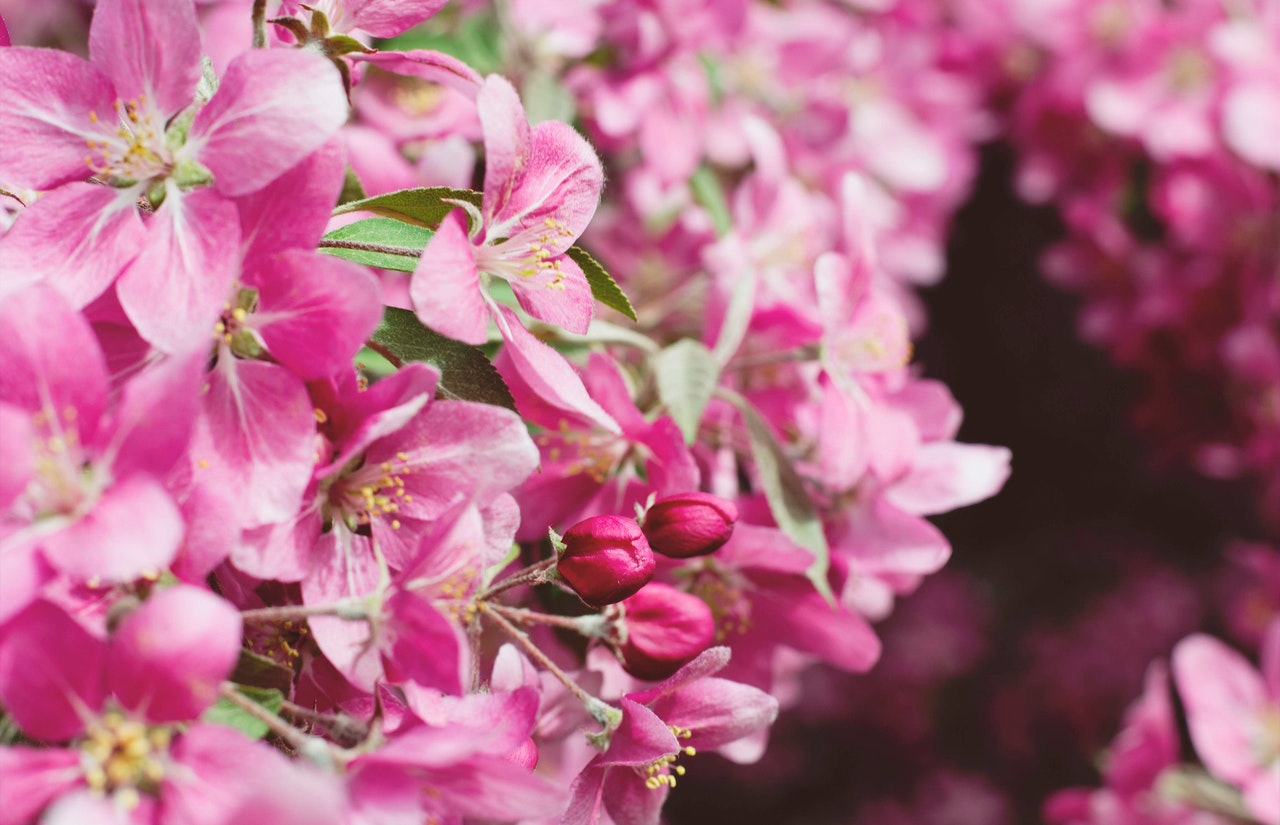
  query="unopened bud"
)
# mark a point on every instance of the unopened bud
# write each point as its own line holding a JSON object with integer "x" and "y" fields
{"x": 605, "y": 559}
{"x": 664, "y": 629}
{"x": 690, "y": 524}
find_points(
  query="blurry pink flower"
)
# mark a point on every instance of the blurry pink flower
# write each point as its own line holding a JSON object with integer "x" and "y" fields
{"x": 1233, "y": 712}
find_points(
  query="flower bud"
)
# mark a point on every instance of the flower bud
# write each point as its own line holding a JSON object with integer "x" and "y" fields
{"x": 663, "y": 630}
{"x": 690, "y": 524}
{"x": 605, "y": 559}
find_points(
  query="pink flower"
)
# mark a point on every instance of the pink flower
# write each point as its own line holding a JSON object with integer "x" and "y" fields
{"x": 662, "y": 729}
{"x": 1233, "y": 712}
{"x": 541, "y": 188}
{"x": 86, "y": 489}
{"x": 115, "y": 701}
{"x": 130, "y": 117}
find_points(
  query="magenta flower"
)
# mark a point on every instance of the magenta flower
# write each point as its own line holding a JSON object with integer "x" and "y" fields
{"x": 662, "y": 729}
{"x": 689, "y": 524}
{"x": 541, "y": 188}
{"x": 114, "y": 701}
{"x": 131, "y": 118}
{"x": 1233, "y": 712}
{"x": 293, "y": 316}
{"x": 86, "y": 492}
{"x": 605, "y": 559}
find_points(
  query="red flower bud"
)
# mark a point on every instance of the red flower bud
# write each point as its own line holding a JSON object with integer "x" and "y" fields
{"x": 665, "y": 629}
{"x": 605, "y": 559}
{"x": 690, "y": 524}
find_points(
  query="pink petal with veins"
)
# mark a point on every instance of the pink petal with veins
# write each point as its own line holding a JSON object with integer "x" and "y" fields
{"x": 150, "y": 49}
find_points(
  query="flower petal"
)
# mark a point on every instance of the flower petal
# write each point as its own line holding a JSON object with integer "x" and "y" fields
{"x": 150, "y": 49}
{"x": 387, "y": 18}
{"x": 31, "y": 778}
{"x": 293, "y": 210}
{"x": 169, "y": 656}
{"x": 273, "y": 108}
{"x": 506, "y": 142}
{"x": 51, "y": 673}
{"x": 77, "y": 239}
{"x": 559, "y": 296}
{"x": 445, "y": 288}
{"x": 133, "y": 529}
{"x": 315, "y": 311}
{"x": 175, "y": 289}
{"x": 50, "y": 98}
{"x": 257, "y": 436}
{"x": 50, "y": 363}
{"x": 538, "y": 375}
{"x": 434, "y": 66}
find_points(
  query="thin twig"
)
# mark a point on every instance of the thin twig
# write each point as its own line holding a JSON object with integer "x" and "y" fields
{"x": 384, "y": 249}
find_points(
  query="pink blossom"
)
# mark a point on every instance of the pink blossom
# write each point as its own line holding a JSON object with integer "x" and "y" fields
{"x": 88, "y": 496}
{"x": 1233, "y": 712}
{"x": 130, "y": 117}
{"x": 541, "y": 188}
{"x": 662, "y": 728}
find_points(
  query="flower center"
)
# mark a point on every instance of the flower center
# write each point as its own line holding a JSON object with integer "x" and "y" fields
{"x": 598, "y": 454}
{"x": 136, "y": 151}
{"x": 529, "y": 255}
{"x": 664, "y": 770}
{"x": 122, "y": 756}
{"x": 725, "y": 594}
{"x": 63, "y": 480}
{"x": 373, "y": 491}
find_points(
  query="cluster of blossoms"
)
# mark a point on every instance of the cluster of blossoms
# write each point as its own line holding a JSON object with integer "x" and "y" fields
{"x": 1151, "y": 128}
{"x": 326, "y": 496}
{"x": 341, "y": 484}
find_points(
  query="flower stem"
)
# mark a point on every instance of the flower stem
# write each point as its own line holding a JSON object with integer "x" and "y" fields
{"x": 604, "y": 713}
{"x": 396, "y": 360}
{"x": 586, "y": 625}
{"x": 533, "y": 574}
{"x": 310, "y": 746}
{"x": 384, "y": 249}
{"x": 259, "y": 24}
{"x": 350, "y": 610}
{"x": 339, "y": 725}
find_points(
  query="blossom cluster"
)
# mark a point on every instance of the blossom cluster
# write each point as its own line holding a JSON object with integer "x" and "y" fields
{"x": 1151, "y": 129}
{"x": 327, "y": 495}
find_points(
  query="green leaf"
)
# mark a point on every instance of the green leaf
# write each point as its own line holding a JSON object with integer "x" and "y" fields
{"x": 686, "y": 373}
{"x": 352, "y": 189}
{"x": 226, "y": 712}
{"x": 603, "y": 288}
{"x": 260, "y": 671}
{"x": 737, "y": 317}
{"x": 476, "y": 41}
{"x": 789, "y": 502}
{"x": 391, "y": 244}
{"x": 465, "y": 373}
{"x": 708, "y": 192}
{"x": 546, "y": 98}
{"x": 426, "y": 206}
